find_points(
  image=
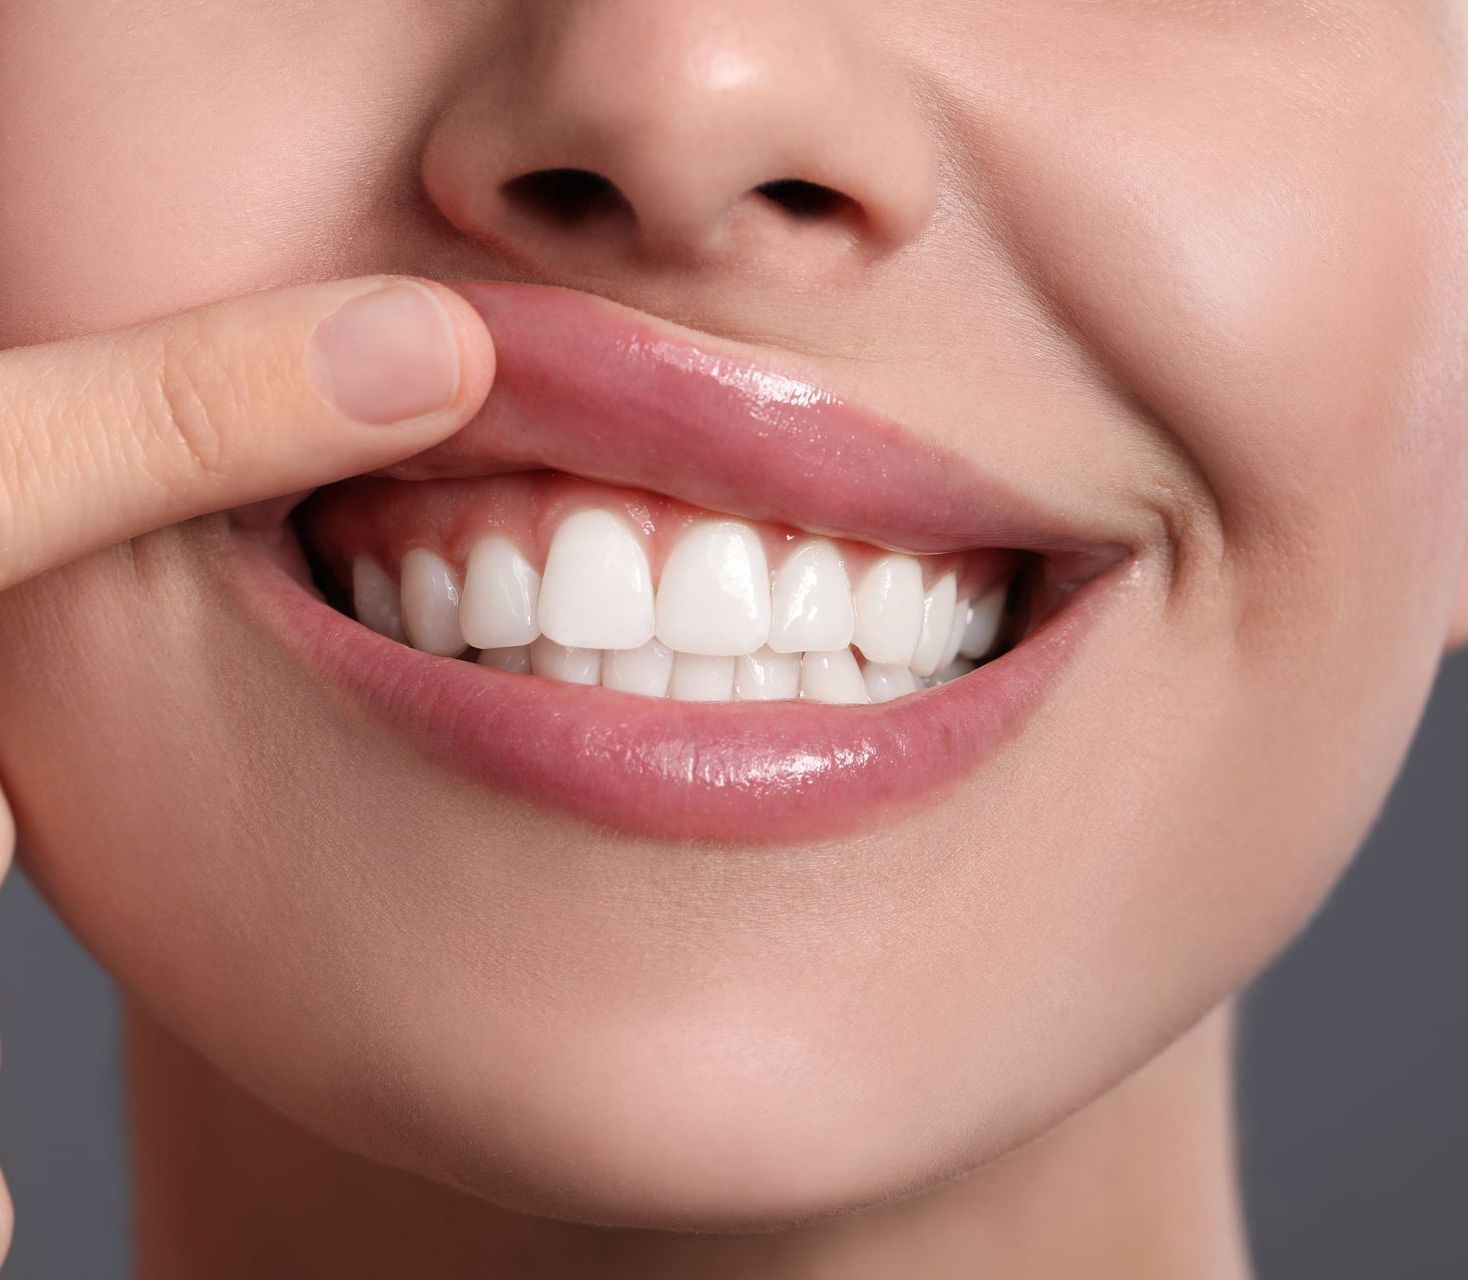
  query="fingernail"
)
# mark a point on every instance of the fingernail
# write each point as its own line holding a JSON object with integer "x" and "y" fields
{"x": 386, "y": 356}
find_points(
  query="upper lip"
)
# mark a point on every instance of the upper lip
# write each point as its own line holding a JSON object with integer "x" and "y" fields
{"x": 589, "y": 387}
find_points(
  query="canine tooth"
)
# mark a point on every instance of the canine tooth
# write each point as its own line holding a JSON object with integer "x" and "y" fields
{"x": 430, "y": 598}
{"x": 563, "y": 662}
{"x": 500, "y": 594}
{"x": 699, "y": 677}
{"x": 955, "y": 633}
{"x": 885, "y": 682}
{"x": 889, "y": 610}
{"x": 646, "y": 670}
{"x": 597, "y": 592}
{"x": 714, "y": 597}
{"x": 811, "y": 601}
{"x": 766, "y": 676}
{"x": 375, "y": 599}
{"x": 981, "y": 628}
{"x": 515, "y": 658}
{"x": 938, "y": 608}
{"x": 832, "y": 677}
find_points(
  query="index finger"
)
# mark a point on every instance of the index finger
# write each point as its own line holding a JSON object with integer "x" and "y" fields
{"x": 111, "y": 435}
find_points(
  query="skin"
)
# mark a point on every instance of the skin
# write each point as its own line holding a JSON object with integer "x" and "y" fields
{"x": 1193, "y": 269}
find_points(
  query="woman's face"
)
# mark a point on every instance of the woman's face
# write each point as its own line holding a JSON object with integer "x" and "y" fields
{"x": 1184, "y": 277}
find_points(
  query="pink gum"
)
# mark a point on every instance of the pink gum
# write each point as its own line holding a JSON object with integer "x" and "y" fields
{"x": 385, "y": 519}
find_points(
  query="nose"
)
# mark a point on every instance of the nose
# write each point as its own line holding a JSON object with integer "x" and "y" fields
{"x": 619, "y": 132}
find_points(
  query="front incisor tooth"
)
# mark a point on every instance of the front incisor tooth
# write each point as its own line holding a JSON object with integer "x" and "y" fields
{"x": 375, "y": 599}
{"x": 889, "y": 610}
{"x": 501, "y": 592}
{"x": 515, "y": 659}
{"x": 646, "y": 670}
{"x": 714, "y": 597}
{"x": 982, "y": 626}
{"x": 832, "y": 677}
{"x": 811, "y": 601}
{"x": 564, "y": 663}
{"x": 597, "y": 592}
{"x": 701, "y": 677}
{"x": 430, "y": 596}
{"x": 938, "y": 609}
{"x": 885, "y": 682}
{"x": 767, "y": 676}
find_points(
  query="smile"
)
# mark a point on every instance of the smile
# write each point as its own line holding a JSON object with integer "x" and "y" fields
{"x": 678, "y": 594}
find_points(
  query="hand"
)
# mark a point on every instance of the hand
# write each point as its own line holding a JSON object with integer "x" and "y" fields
{"x": 109, "y": 436}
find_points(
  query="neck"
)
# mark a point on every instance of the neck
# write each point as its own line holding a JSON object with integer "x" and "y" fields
{"x": 1140, "y": 1184}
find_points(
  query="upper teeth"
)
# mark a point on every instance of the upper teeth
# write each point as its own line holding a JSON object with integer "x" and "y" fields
{"x": 717, "y": 625}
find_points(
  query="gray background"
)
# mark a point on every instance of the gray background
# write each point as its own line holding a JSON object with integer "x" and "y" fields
{"x": 1355, "y": 1059}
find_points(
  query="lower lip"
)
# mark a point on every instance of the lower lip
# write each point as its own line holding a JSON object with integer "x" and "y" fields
{"x": 725, "y": 772}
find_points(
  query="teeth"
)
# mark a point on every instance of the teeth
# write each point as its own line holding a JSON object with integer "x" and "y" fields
{"x": 955, "y": 633}
{"x": 501, "y": 591}
{"x": 889, "y": 611}
{"x": 832, "y": 677}
{"x": 375, "y": 599}
{"x": 701, "y": 677}
{"x": 885, "y": 682}
{"x": 597, "y": 592}
{"x": 767, "y": 676}
{"x": 647, "y": 670}
{"x": 714, "y": 598}
{"x": 714, "y": 630}
{"x": 562, "y": 662}
{"x": 811, "y": 604}
{"x": 515, "y": 659}
{"x": 431, "y": 604}
{"x": 982, "y": 626}
{"x": 938, "y": 609}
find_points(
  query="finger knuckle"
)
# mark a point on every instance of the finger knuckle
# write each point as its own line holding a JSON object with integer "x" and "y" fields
{"x": 192, "y": 402}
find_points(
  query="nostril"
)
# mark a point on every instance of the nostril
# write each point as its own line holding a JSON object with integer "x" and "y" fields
{"x": 806, "y": 200}
{"x": 565, "y": 195}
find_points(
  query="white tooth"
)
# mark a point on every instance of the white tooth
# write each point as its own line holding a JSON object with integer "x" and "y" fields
{"x": 982, "y": 626}
{"x": 562, "y": 662}
{"x": 701, "y": 677}
{"x": 431, "y": 603}
{"x": 516, "y": 659}
{"x": 714, "y": 597}
{"x": 938, "y": 607}
{"x": 646, "y": 670}
{"x": 885, "y": 682}
{"x": 955, "y": 633}
{"x": 889, "y": 610}
{"x": 375, "y": 599}
{"x": 500, "y": 594}
{"x": 766, "y": 676}
{"x": 597, "y": 592}
{"x": 959, "y": 667}
{"x": 811, "y": 601}
{"x": 832, "y": 677}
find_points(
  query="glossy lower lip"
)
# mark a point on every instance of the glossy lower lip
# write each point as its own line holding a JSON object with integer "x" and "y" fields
{"x": 592, "y": 388}
{"x": 730, "y": 773}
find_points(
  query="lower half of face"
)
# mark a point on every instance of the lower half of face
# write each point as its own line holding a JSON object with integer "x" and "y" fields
{"x": 668, "y": 826}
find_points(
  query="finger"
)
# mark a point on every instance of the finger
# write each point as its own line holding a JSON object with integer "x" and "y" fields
{"x": 115, "y": 434}
{"x": 7, "y": 836}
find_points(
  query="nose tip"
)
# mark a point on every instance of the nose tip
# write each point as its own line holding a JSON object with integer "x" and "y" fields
{"x": 702, "y": 130}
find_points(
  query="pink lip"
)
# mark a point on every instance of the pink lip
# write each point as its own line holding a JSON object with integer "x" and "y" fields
{"x": 588, "y": 387}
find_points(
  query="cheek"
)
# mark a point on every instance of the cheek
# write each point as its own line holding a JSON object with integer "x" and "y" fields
{"x": 150, "y": 166}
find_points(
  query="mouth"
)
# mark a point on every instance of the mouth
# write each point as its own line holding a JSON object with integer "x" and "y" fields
{"x": 678, "y": 594}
